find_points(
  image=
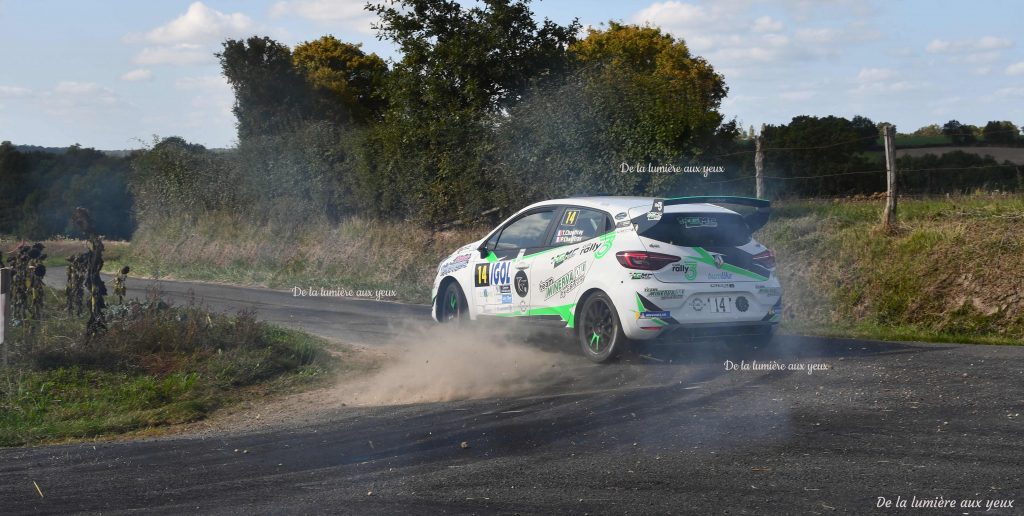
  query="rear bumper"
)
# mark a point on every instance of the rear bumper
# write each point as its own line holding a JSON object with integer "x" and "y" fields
{"x": 750, "y": 311}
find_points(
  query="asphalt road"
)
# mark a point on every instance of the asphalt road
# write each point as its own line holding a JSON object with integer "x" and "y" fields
{"x": 667, "y": 430}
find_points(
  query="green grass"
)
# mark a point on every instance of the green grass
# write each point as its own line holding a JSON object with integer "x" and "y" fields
{"x": 919, "y": 141}
{"x": 156, "y": 366}
{"x": 950, "y": 273}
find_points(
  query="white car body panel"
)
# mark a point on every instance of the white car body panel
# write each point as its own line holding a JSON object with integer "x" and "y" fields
{"x": 552, "y": 281}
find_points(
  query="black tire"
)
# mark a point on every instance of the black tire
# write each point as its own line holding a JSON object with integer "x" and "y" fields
{"x": 599, "y": 330}
{"x": 452, "y": 306}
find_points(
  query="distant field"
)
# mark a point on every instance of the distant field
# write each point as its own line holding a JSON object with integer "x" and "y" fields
{"x": 907, "y": 141}
{"x": 1000, "y": 154}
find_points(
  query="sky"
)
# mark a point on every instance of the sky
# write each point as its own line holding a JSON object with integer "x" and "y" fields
{"x": 117, "y": 74}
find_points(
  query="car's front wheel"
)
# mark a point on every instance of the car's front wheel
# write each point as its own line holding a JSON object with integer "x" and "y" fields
{"x": 453, "y": 307}
{"x": 599, "y": 330}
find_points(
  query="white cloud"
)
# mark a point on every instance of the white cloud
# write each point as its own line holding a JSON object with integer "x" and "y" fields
{"x": 939, "y": 46}
{"x": 982, "y": 70}
{"x": 798, "y": 95}
{"x": 73, "y": 98}
{"x": 767, "y": 24}
{"x": 14, "y": 91}
{"x": 1015, "y": 69}
{"x": 204, "y": 82}
{"x": 181, "y": 54}
{"x": 139, "y": 74}
{"x": 200, "y": 24}
{"x": 349, "y": 13}
{"x": 817, "y": 35}
{"x": 875, "y": 74}
{"x": 1017, "y": 91}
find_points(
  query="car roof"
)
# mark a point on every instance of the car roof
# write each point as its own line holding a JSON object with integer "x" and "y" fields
{"x": 615, "y": 204}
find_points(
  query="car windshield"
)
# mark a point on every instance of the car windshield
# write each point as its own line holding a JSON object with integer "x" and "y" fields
{"x": 700, "y": 230}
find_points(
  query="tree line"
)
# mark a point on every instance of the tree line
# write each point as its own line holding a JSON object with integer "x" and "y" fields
{"x": 485, "y": 110}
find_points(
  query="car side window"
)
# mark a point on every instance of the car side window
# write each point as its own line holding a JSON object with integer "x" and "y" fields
{"x": 579, "y": 224}
{"x": 526, "y": 232}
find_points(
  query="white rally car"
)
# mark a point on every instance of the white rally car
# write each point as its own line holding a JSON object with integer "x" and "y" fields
{"x": 618, "y": 268}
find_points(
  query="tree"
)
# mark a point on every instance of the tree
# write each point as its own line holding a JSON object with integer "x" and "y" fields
{"x": 270, "y": 95}
{"x": 481, "y": 58}
{"x": 637, "y": 97}
{"x": 958, "y": 133}
{"x": 928, "y": 130}
{"x": 348, "y": 84}
{"x": 825, "y": 147}
{"x": 14, "y": 185}
{"x": 1000, "y": 132}
{"x": 460, "y": 67}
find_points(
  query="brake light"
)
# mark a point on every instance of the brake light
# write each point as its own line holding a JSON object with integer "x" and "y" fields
{"x": 765, "y": 259}
{"x": 644, "y": 261}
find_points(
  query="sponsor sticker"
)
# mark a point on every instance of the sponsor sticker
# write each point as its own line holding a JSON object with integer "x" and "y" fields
{"x": 664, "y": 294}
{"x": 565, "y": 283}
{"x": 522, "y": 284}
{"x": 655, "y": 315}
{"x": 488, "y": 274}
{"x": 688, "y": 268}
{"x": 640, "y": 275}
{"x": 506, "y": 299}
{"x": 721, "y": 275}
{"x": 455, "y": 264}
{"x": 699, "y": 222}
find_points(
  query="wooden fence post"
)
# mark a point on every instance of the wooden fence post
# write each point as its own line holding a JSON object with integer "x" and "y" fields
{"x": 5, "y": 287}
{"x": 889, "y": 139}
{"x": 759, "y": 163}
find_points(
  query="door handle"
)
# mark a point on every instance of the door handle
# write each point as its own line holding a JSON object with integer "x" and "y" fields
{"x": 523, "y": 265}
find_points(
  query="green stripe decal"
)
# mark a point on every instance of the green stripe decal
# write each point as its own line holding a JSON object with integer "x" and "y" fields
{"x": 709, "y": 260}
{"x": 566, "y": 312}
{"x": 606, "y": 241}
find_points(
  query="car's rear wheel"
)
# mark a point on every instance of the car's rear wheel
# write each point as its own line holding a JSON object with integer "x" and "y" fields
{"x": 453, "y": 307}
{"x": 599, "y": 330}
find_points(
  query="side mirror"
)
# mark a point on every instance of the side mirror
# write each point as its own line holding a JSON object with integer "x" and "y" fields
{"x": 483, "y": 252}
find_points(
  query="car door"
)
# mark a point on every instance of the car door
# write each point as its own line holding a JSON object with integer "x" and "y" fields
{"x": 502, "y": 282}
{"x": 560, "y": 271}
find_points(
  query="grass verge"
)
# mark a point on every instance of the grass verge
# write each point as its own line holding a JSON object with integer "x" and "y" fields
{"x": 951, "y": 272}
{"x": 157, "y": 365}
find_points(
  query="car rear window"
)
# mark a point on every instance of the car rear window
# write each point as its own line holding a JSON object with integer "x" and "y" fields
{"x": 700, "y": 230}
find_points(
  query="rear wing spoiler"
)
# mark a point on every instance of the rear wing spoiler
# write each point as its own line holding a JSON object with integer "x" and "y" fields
{"x": 755, "y": 220}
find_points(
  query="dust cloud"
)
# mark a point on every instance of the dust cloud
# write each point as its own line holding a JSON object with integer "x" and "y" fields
{"x": 432, "y": 363}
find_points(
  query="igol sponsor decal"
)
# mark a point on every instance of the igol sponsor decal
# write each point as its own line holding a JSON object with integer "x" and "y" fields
{"x": 565, "y": 283}
{"x": 488, "y": 274}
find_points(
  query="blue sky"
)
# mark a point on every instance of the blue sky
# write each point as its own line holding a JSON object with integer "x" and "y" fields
{"x": 113, "y": 74}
